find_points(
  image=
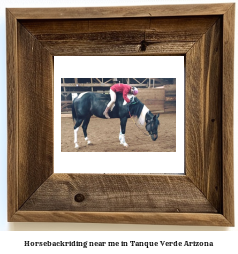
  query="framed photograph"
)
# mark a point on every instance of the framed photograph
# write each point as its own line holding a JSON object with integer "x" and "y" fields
{"x": 203, "y": 194}
{"x": 158, "y": 95}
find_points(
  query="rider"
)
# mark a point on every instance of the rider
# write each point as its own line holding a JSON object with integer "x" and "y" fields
{"x": 119, "y": 88}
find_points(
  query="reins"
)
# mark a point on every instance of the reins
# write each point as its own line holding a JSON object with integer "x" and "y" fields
{"x": 137, "y": 125}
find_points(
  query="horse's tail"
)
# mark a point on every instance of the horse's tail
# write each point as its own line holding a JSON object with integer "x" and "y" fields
{"x": 73, "y": 111}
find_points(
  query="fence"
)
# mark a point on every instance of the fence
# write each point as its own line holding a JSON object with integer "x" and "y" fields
{"x": 158, "y": 100}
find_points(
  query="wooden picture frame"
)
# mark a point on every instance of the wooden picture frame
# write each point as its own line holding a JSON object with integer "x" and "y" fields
{"x": 204, "y": 34}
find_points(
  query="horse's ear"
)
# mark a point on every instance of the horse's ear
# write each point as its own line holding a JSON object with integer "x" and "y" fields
{"x": 158, "y": 116}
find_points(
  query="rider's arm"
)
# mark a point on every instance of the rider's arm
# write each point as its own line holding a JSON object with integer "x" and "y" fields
{"x": 125, "y": 93}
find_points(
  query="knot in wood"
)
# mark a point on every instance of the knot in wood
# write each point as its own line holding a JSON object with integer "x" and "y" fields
{"x": 79, "y": 198}
{"x": 143, "y": 45}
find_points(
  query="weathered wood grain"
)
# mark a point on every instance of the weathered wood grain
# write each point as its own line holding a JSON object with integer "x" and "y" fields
{"x": 209, "y": 48}
{"x": 12, "y": 114}
{"x": 121, "y": 11}
{"x": 119, "y": 36}
{"x": 204, "y": 114}
{"x": 74, "y": 48}
{"x": 198, "y": 219}
{"x": 35, "y": 101}
{"x": 227, "y": 113}
{"x": 118, "y": 193}
{"x": 189, "y": 27}
{"x": 183, "y": 26}
{"x": 46, "y": 28}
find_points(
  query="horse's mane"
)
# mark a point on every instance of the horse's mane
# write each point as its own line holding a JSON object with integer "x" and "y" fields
{"x": 136, "y": 107}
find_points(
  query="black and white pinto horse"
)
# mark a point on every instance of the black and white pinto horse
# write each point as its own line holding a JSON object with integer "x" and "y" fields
{"x": 88, "y": 104}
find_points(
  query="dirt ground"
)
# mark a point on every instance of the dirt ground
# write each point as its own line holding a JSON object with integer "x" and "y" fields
{"x": 104, "y": 134}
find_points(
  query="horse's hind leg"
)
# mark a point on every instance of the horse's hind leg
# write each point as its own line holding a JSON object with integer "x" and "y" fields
{"x": 85, "y": 126}
{"x": 120, "y": 135}
{"x": 76, "y": 128}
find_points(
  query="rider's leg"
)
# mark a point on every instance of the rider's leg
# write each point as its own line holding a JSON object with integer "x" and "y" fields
{"x": 113, "y": 100}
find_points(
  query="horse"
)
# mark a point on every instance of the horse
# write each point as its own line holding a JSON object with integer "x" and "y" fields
{"x": 89, "y": 103}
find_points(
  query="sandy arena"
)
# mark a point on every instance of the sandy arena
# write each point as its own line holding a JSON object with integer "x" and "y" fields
{"x": 104, "y": 134}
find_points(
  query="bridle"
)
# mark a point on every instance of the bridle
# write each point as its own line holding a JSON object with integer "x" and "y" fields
{"x": 138, "y": 126}
{"x": 150, "y": 126}
{"x": 148, "y": 122}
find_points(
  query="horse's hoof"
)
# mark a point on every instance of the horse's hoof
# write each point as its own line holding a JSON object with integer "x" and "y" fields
{"x": 76, "y": 146}
{"x": 89, "y": 142}
{"x": 124, "y": 144}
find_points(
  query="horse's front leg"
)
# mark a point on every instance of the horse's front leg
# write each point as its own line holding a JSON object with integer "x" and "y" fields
{"x": 123, "y": 131}
{"x": 85, "y": 126}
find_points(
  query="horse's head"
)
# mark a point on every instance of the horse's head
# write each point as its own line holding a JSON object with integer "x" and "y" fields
{"x": 152, "y": 124}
